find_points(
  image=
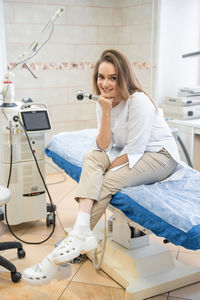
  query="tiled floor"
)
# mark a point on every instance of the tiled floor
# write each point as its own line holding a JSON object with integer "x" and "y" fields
{"x": 85, "y": 283}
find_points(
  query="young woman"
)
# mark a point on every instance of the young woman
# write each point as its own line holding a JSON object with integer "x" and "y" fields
{"x": 134, "y": 146}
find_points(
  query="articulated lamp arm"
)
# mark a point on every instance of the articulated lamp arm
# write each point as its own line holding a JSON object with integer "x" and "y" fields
{"x": 7, "y": 89}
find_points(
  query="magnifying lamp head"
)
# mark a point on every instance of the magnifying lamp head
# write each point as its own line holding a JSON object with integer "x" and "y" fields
{"x": 80, "y": 95}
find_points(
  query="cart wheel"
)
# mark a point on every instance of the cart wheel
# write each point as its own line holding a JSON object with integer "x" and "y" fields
{"x": 50, "y": 219}
{"x": 16, "y": 276}
{"x": 21, "y": 253}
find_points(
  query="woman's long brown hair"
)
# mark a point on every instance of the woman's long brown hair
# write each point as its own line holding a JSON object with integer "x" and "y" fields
{"x": 127, "y": 80}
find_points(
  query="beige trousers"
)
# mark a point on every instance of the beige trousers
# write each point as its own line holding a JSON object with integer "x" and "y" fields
{"x": 98, "y": 184}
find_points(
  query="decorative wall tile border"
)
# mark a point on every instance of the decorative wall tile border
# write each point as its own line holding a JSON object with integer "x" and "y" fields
{"x": 37, "y": 66}
{"x": 141, "y": 65}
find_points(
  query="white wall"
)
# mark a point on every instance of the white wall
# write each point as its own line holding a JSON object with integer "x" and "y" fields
{"x": 179, "y": 34}
{"x": 2, "y": 44}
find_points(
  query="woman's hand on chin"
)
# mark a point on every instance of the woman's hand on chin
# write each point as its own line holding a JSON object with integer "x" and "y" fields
{"x": 105, "y": 103}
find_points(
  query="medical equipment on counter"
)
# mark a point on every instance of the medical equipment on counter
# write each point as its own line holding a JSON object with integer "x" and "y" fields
{"x": 184, "y": 106}
{"x": 144, "y": 268}
{"x": 28, "y": 201}
{"x": 181, "y": 112}
{"x": 21, "y": 153}
{"x": 182, "y": 101}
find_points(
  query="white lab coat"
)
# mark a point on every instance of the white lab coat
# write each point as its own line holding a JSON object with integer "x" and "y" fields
{"x": 136, "y": 128}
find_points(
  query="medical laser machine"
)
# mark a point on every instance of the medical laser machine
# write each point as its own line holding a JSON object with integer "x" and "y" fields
{"x": 22, "y": 134}
{"x": 28, "y": 200}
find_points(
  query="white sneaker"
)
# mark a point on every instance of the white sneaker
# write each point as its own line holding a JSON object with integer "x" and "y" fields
{"x": 72, "y": 246}
{"x": 45, "y": 271}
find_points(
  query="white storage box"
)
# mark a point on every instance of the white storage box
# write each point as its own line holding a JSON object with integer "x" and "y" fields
{"x": 181, "y": 112}
{"x": 183, "y": 101}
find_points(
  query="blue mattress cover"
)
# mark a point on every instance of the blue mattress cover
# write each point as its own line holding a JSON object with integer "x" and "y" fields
{"x": 176, "y": 218}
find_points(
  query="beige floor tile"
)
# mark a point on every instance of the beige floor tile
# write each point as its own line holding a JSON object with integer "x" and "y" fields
{"x": 57, "y": 178}
{"x": 3, "y": 229}
{"x": 7, "y": 237}
{"x": 38, "y": 238}
{"x": 159, "y": 297}
{"x": 64, "y": 219}
{"x": 177, "y": 298}
{"x": 68, "y": 201}
{"x": 41, "y": 231}
{"x": 20, "y": 291}
{"x": 59, "y": 191}
{"x": 67, "y": 217}
{"x": 17, "y": 229}
{"x": 190, "y": 259}
{"x": 88, "y": 274}
{"x": 189, "y": 292}
{"x": 83, "y": 291}
{"x": 34, "y": 254}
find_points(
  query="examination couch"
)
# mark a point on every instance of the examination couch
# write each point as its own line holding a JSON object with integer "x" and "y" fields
{"x": 169, "y": 209}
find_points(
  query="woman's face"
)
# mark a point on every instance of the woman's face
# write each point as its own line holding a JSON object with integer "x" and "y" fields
{"x": 107, "y": 80}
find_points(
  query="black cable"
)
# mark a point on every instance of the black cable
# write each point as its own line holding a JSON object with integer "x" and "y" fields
{"x": 185, "y": 151}
{"x": 9, "y": 177}
{"x": 11, "y": 158}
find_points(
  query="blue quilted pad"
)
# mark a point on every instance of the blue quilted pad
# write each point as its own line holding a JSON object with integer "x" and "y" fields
{"x": 170, "y": 209}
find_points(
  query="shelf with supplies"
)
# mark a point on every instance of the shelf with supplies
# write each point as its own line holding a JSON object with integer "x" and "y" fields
{"x": 182, "y": 108}
{"x": 189, "y": 132}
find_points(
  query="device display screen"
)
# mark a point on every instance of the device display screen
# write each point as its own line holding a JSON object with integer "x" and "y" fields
{"x": 36, "y": 120}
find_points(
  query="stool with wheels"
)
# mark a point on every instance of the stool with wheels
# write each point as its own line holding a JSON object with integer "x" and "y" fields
{"x": 5, "y": 195}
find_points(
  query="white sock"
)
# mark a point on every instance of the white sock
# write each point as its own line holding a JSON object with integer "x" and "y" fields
{"x": 82, "y": 224}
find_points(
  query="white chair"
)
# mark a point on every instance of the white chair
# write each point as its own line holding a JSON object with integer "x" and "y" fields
{"x": 5, "y": 195}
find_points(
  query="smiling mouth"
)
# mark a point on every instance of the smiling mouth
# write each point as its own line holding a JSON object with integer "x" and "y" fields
{"x": 106, "y": 90}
